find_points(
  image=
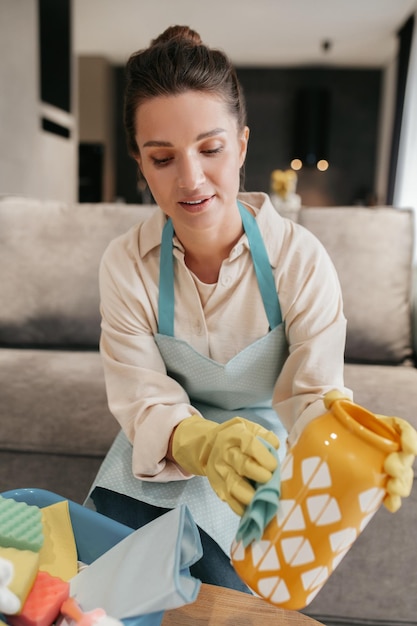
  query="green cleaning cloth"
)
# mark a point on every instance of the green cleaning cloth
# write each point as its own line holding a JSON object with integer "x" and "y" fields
{"x": 262, "y": 508}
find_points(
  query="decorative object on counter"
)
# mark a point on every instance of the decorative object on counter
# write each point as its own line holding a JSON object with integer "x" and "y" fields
{"x": 283, "y": 190}
{"x": 332, "y": 483}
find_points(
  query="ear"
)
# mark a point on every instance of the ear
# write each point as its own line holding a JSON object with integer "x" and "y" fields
{"x": 243, "y": 144}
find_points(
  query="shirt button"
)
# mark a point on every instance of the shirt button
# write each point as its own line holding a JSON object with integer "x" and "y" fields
{"x": 237, "y": 250}
{"x": 226, "y": 281}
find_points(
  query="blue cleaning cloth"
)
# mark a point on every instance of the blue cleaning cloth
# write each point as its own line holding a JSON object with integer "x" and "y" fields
{"x": 262, "y": 508}
{"x": 145, "y": 573}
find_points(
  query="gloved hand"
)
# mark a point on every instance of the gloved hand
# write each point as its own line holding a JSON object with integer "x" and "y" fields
{"x": 398, "y": 465}
{"x": 229, "y": 454}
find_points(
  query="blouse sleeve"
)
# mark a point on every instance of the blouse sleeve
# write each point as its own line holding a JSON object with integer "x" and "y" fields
{"x": 147, "y": 403}
{"x": 311, "y": 296}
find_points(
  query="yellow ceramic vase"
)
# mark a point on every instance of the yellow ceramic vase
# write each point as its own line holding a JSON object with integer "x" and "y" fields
{"x": 332, "y": 483}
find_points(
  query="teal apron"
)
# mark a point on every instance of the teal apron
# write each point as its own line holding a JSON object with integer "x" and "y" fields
{"x": 243, "y": 387}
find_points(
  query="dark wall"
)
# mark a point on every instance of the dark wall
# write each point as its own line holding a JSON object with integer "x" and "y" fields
{"x": 129, "y": 186}
{"x": 354, "y": 97}
{"x": 271, "y": 94}
{"x": 55, "y": 60}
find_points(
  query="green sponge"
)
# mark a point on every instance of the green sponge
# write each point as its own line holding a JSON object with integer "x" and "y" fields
{"x": 20, "y": 525}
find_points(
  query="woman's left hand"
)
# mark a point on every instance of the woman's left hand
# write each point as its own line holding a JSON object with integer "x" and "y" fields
{"x": 399, "y": 465}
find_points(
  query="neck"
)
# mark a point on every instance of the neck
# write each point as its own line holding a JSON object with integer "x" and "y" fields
{"x": 206, "y": 266}
{"x": 206, "y": 249}
{"x": 205, "y": 253}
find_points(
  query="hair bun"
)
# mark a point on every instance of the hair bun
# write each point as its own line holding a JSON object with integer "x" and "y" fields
{"x": 178, "y": 34}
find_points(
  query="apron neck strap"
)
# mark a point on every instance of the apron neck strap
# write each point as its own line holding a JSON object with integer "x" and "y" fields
{"x": 263, "y": 270}
{"x": 166, "y": 298}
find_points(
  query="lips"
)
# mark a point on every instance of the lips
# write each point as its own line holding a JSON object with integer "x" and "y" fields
{"x": 195, "y": 204}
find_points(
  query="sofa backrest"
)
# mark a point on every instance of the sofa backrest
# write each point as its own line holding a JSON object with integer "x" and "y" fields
{"x": 49, "y": 258}
{"x": 50, "y": 254}
{"x": 372, "y": 250}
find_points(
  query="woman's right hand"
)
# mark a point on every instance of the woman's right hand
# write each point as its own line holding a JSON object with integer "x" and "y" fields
{"x": 231, "y": 455}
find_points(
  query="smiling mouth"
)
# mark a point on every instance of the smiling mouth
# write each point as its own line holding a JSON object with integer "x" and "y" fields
{"x": 195, "y": 204}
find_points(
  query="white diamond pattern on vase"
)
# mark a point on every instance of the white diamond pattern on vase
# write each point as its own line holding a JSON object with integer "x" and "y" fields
{"x": 313, "y": 578}
{"x": 315, "y": 473}
{"x": 297, "y": 550}
{"x": 258, "y": 550}
{"x": 342, "y": 539}
{"x": 275, "y": 589}
{"x": 271, "y": 561}
{"x": 296, "y": 520}
{"x": 323, "y": 510}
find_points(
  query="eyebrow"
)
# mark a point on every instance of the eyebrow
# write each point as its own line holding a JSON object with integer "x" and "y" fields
{"x": 167, "y": 144}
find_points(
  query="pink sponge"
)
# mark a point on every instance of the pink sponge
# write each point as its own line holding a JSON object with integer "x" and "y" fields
{"x": 43, "y": 603}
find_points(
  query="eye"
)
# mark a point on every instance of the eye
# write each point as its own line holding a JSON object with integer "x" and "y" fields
{"x": 212, "y": 151}
{"x": 161, "y": 162}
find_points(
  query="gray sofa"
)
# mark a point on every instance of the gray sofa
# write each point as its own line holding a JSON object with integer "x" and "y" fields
{"x": 55, "y": 426}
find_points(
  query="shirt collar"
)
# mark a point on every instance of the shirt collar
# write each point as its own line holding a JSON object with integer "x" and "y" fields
{"x": 151, "y": 231}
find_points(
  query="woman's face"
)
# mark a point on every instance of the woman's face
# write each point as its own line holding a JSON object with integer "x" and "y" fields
{"x": 190, "y": 155}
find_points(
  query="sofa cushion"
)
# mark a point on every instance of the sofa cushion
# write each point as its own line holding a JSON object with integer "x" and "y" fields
{"x": 49, "y": 259}
{"x": 385, "y": 390}
{"x": 372, "y": 251}
{"x": 67, "y": 475}
{"x": 54, "y": 402}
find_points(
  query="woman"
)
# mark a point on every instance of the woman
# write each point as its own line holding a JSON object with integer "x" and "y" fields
{"x": 221, "y": 321}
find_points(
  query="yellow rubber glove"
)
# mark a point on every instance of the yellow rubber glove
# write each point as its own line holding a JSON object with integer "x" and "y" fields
{"x": 398, "y": 465}
{"x": 229, "y": 454}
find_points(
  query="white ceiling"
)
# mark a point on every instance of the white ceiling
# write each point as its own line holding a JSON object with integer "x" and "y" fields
{"x": 252, "y": 32}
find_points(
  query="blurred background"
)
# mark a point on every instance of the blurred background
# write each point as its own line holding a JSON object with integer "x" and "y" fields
{"x": 324, "y": 82}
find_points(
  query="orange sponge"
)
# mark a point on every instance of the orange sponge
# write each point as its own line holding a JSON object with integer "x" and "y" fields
{"x": 43, "y": 603}
{"x": 21, "y": 525}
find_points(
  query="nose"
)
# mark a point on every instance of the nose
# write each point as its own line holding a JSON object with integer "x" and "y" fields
{"x": 190, "y": 173}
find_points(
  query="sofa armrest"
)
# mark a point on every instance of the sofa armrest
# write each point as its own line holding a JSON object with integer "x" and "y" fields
{"x": 414, "y": 310}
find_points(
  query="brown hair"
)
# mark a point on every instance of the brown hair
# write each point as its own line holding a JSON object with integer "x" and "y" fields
{"x": 175, "y": 62}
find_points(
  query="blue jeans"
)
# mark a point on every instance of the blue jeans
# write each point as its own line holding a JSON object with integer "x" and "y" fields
{"x": 213, "y": 568}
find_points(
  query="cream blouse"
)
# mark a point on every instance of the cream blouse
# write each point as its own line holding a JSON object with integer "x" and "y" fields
{"x": 218, "y": 321}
